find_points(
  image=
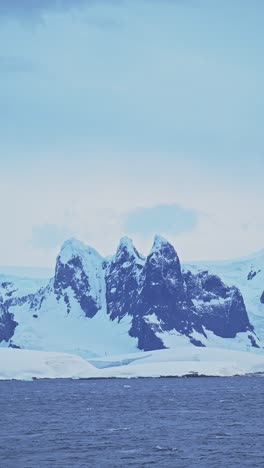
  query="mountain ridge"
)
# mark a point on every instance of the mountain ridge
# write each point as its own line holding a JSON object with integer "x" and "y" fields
{"x": 144, "y": 303}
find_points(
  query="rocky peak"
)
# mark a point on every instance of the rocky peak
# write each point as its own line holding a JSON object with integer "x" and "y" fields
{"x": 73, "y": 248}
{"x": 159, "y": 299}
{"x": 163, "y": 267}
{"x": 126, "y": 251}
{"x": 159, "y": 243}
{"x": 122, "y": 279}
{"x": 79, "y": 268}
{"x": 162, "y": 297}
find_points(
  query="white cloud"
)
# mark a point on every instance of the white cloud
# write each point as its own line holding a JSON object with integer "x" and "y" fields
{"x": 91, "y": 199}
{"x": 165, "y": 219}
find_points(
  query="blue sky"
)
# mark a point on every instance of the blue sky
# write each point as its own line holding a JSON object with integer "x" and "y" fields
{"x": 130, "y": 117}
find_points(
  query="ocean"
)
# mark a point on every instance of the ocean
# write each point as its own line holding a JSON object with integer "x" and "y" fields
{"x": 166, "y": 422}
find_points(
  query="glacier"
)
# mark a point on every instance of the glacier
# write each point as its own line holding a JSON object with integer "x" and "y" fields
{"x": 18, "y": 364}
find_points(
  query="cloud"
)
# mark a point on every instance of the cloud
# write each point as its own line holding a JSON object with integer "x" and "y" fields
{"x": 48, "y": 236}
{"x": 167, "y": 219}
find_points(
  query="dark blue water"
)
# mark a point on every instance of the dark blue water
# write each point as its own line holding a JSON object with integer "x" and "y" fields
{"x": 192, "y": 422}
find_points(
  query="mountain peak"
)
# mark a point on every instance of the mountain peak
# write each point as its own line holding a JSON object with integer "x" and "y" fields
{"x": 75, "y": 248}
{"x": 126, "y": 242}
{"x": 126, "y": 245}
{"x": 159, "y": 243}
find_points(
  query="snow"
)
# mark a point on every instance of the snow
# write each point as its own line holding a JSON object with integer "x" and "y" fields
{"x": 173, "y": 339}
{"x": 27, "y": 272}
{"x": 92, "y": 264}
{"x": 211, "y": 302}
{"x": 152, "y": 319}
{"x": 55, "y": 330}
{"x": 26, "y": 365}
{"x": 159, "y": 243}
{"x": 20, "y": 286}
{"x": 127, "y": 244}
{"x": 184, "y": 360}
{"x": 239, "y": 343}
{"x": 73, "y": 247}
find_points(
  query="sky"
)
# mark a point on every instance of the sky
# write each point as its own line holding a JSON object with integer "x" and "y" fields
{"x": 131, "y": 117}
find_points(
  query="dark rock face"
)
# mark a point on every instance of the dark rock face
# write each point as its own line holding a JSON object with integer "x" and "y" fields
{"x": 162, "y": 293}
{"x": 7, "y": 324}
{"x": 221, "y": 309}
{"x": 252, "y": 339}
{"x": 12, "y": 345}
{"x": 156, "y": 296}
{"x": 213, "y": 285}
{"x": 252, "y": 274}
{"x": 147, "y": 340}
{"x": 160, "y": 298}
{"x": 122, "y": 280}
{"x": 72, "y": 275}
{"x": 149, "y": 289}
{"x": 262, "y": 298}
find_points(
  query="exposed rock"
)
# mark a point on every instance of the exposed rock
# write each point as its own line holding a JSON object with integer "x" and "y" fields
{"x": 220, "y": 308}
{"x": 79, "y": 269}
{"x": 157, "y": 298}
{"x": 122, "y": 280}
{"x": 7, "y": 324}
{"x": 262, "y": 298}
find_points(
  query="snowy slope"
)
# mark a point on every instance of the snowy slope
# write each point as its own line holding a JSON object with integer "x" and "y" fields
{"x": 17, "y": 286}
{"x": 182, "y": 361}
{"x": 27, "y": 272}
{"x": 95, "y": 306}
{"x": 69, "y": 313}
{"x": 53, "y": 329}
{"x": 26, "y": 365}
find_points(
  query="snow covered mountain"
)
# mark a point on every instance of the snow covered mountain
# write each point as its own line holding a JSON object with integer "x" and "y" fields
{"x": 247, "y": 274}
{"x": 95, "y": 306}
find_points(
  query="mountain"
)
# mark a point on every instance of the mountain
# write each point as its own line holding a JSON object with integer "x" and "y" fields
{"x": 95, "y": 306}
{"x": 247, "y": 274}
